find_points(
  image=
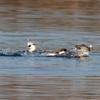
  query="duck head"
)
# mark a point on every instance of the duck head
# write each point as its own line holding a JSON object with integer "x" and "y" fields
{"x": 31, "y": 46}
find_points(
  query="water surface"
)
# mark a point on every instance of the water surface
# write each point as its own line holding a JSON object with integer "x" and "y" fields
{"x": 52, "y": 25}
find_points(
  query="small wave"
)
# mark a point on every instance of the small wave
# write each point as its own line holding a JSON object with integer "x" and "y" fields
{"x": 9, "y": 52}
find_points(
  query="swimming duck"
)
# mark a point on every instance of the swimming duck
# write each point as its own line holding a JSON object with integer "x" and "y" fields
{"x": 73, "y": 52}
{"x": 31, "y": 46}
{"x": 83, "y": 47}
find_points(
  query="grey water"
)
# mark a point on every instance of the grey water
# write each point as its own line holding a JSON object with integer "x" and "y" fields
{"x": 51, "y": 25}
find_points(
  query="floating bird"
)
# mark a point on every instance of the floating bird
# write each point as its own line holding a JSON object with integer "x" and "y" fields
{"x": 31, "y": 46}
{"x": 73, "y": 52}
{"x": 83, "y": 47}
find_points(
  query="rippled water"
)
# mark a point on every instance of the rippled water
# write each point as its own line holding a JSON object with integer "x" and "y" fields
{"x": 52, "y": 25}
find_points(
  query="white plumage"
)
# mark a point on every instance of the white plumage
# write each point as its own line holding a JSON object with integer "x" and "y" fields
{"x": 31, "y": 46}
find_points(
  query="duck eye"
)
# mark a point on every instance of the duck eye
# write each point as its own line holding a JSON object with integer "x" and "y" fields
{"x": 29, "y": 45}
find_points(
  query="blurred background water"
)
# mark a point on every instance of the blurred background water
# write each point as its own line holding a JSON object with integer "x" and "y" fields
{"x": 52, "y": 25}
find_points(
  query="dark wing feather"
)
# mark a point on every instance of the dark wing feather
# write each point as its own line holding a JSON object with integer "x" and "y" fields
{"x": 81, "y": 46}
{"x": 78, "y": 46}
